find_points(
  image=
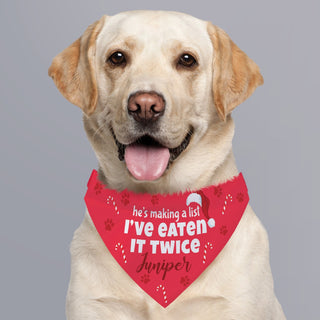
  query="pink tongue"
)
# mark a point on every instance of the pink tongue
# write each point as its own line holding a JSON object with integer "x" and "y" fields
{"x": 146, "y": 163}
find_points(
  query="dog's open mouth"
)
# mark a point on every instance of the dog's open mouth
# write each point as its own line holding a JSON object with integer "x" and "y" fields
{"x": 146, "y": 158}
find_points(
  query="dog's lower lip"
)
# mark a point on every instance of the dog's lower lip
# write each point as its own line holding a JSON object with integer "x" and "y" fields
{"x": 174, "y": 152}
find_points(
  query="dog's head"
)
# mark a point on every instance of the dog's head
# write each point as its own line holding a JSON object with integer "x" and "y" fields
{"x": 156, "y": 89}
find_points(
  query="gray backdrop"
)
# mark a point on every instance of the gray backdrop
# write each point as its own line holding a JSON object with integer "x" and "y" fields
{"x": 46, "y": 159}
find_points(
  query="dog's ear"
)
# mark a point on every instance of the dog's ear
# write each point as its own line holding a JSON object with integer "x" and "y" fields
{"x": 73, "y": 70}
{"x": 235, "y": 75}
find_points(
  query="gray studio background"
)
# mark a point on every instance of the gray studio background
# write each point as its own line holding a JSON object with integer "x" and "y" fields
{"x": 46, "y": 159}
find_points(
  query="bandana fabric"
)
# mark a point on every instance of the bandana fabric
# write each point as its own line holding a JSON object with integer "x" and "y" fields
{"x": 164, "y": 242}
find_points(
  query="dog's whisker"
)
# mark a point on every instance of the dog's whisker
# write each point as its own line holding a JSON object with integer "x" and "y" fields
{"x": 99, "y": 129}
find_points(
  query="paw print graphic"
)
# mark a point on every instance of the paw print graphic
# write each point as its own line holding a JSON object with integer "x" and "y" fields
{"x": 108, "y": 224}
{"x": 145, "y": 278}
{"x": 185, "y": 280}
{"x": 223, "y": 230}
{"x": 98, "y": 188}
{"x": 125, "y": 198}
{"x": 155, "y": 200}
{"x": 217, "y": 191}
{"x": 240, "y": 196}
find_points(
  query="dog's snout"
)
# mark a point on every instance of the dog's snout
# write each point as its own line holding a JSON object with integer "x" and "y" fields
{"x": 146, "y": 107}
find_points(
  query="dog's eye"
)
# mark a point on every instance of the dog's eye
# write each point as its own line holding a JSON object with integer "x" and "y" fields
{"x": 117, "y": 58}
{"x": 187, "y": 60}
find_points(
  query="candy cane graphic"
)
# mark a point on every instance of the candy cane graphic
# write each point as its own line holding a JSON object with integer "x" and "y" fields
{"x": 120, "y": 246}
{"x": 210, "y": 245}
{"x": 163, "y": 292}
{"x": 228, "y": 197}
{"x": 110, "y": 198}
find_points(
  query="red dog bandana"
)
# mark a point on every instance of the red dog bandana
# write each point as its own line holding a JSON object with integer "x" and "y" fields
{"x": 164, "y": 242}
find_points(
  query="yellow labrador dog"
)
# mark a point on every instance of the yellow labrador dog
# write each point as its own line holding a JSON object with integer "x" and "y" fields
{"x": 170, "y": 80}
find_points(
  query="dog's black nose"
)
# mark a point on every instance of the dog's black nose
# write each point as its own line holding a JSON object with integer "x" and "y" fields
{"x": 146, "y": 107}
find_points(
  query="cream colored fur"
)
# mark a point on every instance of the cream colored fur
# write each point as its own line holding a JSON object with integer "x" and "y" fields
{"x": 238, "y": 284}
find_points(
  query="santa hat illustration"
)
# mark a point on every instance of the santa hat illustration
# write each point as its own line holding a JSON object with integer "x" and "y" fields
{"x": 201, "y": 199}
